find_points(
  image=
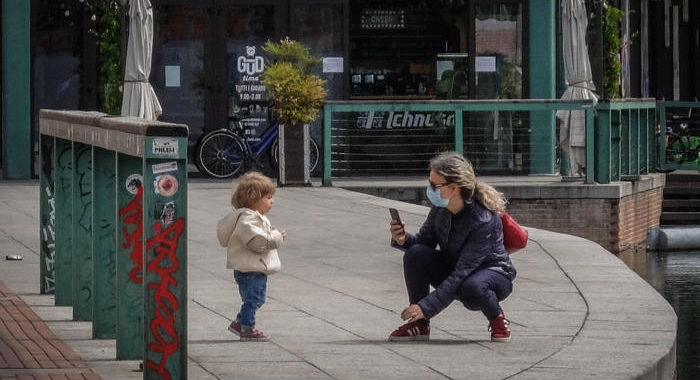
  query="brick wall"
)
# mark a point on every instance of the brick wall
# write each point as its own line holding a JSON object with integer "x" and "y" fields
{"x": 616, "y": 224}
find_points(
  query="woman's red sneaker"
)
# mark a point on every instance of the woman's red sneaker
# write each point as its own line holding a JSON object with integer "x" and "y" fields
{"x": 499, "y": 329}
{"x": 411, "y": 331}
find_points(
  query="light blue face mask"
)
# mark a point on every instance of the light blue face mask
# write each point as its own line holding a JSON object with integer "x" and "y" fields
{"x": 435, "y": 198}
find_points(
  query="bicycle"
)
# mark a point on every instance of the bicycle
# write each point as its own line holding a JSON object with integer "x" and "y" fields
{"x": 222, "y": 153}
{"x": 681, "y": 145}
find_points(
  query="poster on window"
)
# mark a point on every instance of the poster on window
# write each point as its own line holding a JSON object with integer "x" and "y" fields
{"x": 248, "y": 98}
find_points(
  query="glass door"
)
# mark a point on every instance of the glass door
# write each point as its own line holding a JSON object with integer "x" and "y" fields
{"x": 498, "y": 41}
{"x": 497, "y": 142}
{"x": 322, "y": 25}
{"x": 245, "y": 27}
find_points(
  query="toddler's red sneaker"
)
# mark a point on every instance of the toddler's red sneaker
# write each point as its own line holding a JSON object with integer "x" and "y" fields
{"x": 253, "y": 335}
{"x": 235, "y": 328}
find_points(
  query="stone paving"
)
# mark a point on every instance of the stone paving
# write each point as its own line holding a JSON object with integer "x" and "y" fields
{"x": 577, "y": 311}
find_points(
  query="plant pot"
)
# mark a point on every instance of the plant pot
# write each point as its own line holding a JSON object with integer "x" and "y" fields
{"x": 294, "y": 167}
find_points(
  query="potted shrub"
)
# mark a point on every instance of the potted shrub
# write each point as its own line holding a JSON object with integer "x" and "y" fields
{"x": 298, "y": 96}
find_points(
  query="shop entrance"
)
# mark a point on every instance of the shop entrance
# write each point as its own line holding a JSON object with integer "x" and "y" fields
{"x": 208, "y": 57}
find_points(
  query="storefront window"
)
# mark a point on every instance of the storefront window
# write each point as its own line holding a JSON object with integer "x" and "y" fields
{"x": 498, "y": 40}
{"x": 57, "y": 52}
{"x": 406, "y": 48}
{"x": 497, "y": 142}
{"x": 321, "y": 28}
{"x": 178, "y": 73}
{"x": 57, "y": 43}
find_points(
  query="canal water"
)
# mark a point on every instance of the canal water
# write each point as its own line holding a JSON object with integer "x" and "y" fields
{"x": 676, "y": 275}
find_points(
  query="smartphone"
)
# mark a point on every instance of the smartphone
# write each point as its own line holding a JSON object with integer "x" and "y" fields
{"x": 395, "y": 215}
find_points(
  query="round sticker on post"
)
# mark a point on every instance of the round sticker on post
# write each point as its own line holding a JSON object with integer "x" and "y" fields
{"x": 133, "y": 182}
{"x": 166, "y": 185}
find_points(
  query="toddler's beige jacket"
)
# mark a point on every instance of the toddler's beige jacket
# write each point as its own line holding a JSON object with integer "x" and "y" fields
{"x": 250, "y": 240}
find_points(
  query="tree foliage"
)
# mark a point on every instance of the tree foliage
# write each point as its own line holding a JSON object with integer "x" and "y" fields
{"x": 297, "y": 92}
{"x": 105, "y": 17}
{"x": 612, "y": 43}
{"x": 109, "y": 56}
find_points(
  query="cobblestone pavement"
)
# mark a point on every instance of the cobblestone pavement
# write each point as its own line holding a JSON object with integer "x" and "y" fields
{"x": 29, "y": 349}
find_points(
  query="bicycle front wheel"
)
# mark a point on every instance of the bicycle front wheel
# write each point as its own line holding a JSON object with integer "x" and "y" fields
{"x": 313, "y": 154}
{"x": 220, "y": 154}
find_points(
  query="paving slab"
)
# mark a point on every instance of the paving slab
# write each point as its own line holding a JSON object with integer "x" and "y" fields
{"x": 577, "y": 311}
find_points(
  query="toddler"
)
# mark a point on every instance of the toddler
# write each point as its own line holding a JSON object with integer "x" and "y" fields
{"x": 251, "y": 248}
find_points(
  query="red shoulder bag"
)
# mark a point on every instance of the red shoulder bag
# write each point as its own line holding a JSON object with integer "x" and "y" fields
{"x": 514, "y": 235}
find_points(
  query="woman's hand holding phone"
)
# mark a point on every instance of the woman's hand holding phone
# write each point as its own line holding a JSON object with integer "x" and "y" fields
{"x": 397, "y": 227}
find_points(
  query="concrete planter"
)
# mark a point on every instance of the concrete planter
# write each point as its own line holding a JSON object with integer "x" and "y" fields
{"x": 294, "y": 167}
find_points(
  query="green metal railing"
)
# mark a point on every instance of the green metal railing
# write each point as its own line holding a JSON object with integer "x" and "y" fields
{"x": 620, "y": 135}
{"x": 679, "y": 126}
{"x": 113, "y": 231}
{"x": 625, "y": 139}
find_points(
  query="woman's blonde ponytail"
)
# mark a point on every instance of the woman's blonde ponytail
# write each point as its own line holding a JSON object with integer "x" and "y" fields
{"x": 491, "y": 198}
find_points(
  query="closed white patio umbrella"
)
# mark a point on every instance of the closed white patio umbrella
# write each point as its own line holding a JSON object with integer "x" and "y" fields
{"x": 572, "y": 124}
{"x": 139, "y": 98}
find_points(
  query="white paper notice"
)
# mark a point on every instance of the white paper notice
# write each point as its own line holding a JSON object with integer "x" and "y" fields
{"x": 443, "y": 66}
{"x": 333, "y": 64}
{"x": 485, "y": 64}
{"x": 172, "y": 76}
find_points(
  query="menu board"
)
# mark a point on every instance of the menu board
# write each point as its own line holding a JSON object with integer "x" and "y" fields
{"x": 395, "y": 33}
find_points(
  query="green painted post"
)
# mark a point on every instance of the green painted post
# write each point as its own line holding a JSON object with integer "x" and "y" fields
{"x": 47, "y": 212}
{"x": 652, "y": 141}
{"x": 104, "y": 243}
{"x": 644, "y": 152}
{"x": 129, "y": 257}
{"x": 82, "y": 232}
{"x": 661, "y": 109}
{"x": 327, "y": 139}
{"x": 16, "y": 89}
{"x": 635, "y": 146}
{"x": 165, "y": 257}
{"x": 64, "y": 223}
{"x": 615, "y": 137}
{"x": 591, "y": 168}
{"x": 602, "y": 147}
{"x": 542, "y": 64}
{"x": 459, "y": 131}
{"x": 625, "y": 142}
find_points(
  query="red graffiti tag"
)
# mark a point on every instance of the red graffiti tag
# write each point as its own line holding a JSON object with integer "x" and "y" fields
{"x": 164, "y": 264}
{"x": 132, "y": 214}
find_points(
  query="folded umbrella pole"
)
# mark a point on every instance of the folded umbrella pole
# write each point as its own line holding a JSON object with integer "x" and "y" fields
{"x": 139, "y": 98}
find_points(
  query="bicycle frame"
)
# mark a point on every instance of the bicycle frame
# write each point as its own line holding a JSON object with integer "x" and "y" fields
{"x": 267, "y": 138}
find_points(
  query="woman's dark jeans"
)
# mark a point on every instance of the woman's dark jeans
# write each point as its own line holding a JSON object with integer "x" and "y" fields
{"x": 252, "y": 286}
{"x": 482, "y": 290}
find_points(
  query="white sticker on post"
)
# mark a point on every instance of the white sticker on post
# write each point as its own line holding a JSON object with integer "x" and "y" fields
{"x": 165, "y": 146}
{"x": 164, "y": 167}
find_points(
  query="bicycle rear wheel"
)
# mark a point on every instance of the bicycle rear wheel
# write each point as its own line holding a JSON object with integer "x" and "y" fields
{"x": 313, "y": 154}
{"x": 220, "y": 154}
